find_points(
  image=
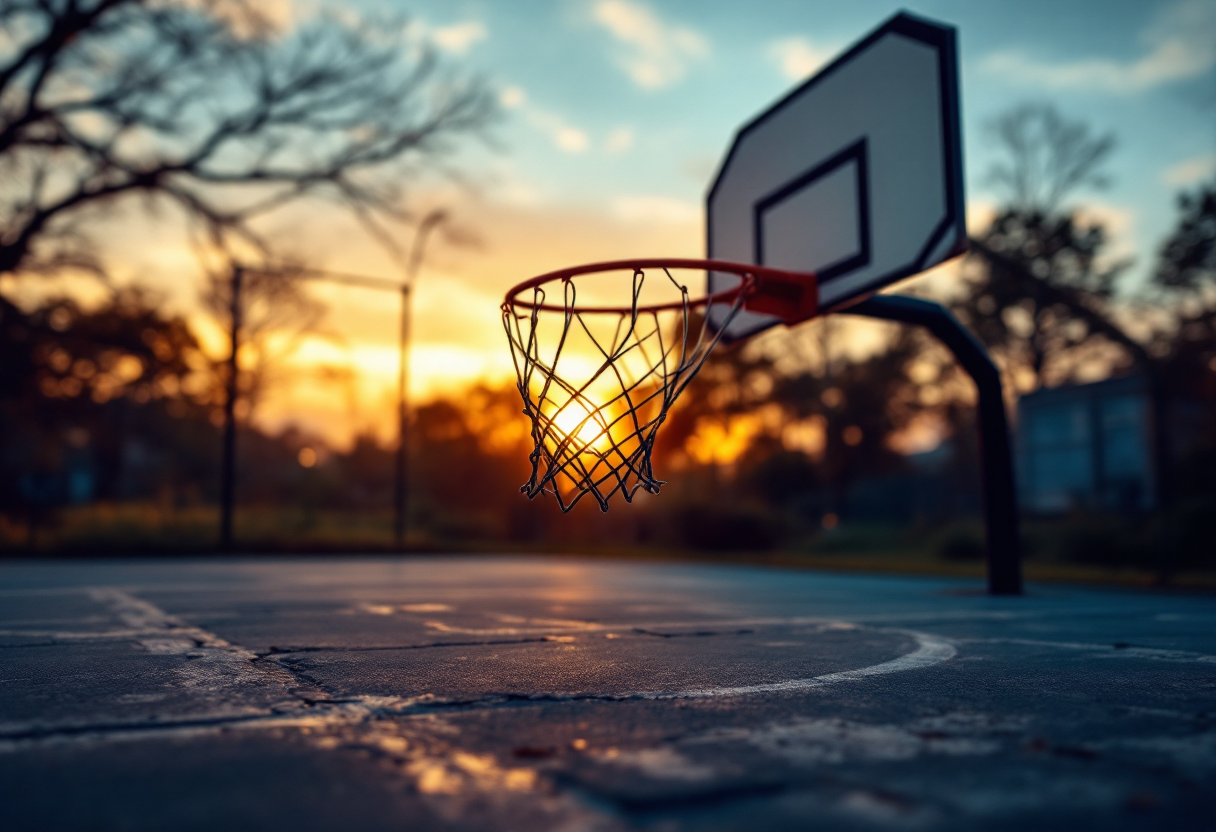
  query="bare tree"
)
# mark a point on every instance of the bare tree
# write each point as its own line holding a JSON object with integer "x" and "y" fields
{"x": 204, "y": 105}
{"x": 1047, "y": 156}
{"x": 1185, "y": 279}
{"x": 276, "y": 317}
{"x": 1187, "y": 260}
{"x": 1041, "y": 293}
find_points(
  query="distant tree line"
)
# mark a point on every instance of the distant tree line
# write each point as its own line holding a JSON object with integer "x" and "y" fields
{"x": 124, "y": 393}
{"x": 205, "y": 111}
{"x": 215, "y": 118}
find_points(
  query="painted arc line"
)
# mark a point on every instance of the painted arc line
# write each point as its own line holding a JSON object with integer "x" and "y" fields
{"x": 322, "y": 716}
{"x": 137, "y": 613}
{"x": 621, "y": 626}
{"x": 1126, "y": 651}
{"x": 930, "y": 651}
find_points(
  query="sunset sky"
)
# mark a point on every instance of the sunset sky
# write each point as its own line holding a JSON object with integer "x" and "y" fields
{"x": 616, "y": 113}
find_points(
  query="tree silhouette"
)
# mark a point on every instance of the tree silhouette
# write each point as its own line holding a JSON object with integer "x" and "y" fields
{"x": 860, "y": 404}
{"x": 205, "y": 106}
{"x": 90, "y": 385}
{"x": 276, "y": 316}
{"x": 1047, "y": 157}
{"x": 1188, "y": 257}
{"x": 1185, "y": 277}
{"x": 1042, "y": 295}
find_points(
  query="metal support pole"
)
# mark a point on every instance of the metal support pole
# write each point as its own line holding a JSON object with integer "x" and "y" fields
{"x": 1004, "y": 545}
{"x": 401, "y": 484}
{"x": 228, "y": 470}
{"x": 401, "y": 491}
{"x": 401, "y": 498}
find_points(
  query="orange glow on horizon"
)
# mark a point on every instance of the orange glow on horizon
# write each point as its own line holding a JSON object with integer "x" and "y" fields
{"x": 715, "y": 443}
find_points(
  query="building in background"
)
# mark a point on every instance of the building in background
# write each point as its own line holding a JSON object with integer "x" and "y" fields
{"x": 1093, "y": 446}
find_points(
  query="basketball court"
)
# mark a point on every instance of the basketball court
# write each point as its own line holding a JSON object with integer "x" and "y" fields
{"x": 509, "y": 693}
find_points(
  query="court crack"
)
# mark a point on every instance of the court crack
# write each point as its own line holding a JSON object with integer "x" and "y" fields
{"x": 695, "y": 634}
{"x": 291, "y": 649}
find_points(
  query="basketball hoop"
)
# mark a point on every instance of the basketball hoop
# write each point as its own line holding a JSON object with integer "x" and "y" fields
{"x": 598, "y": 375}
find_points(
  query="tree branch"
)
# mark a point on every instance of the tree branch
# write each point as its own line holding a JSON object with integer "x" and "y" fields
{"x": 1074, "y": 300}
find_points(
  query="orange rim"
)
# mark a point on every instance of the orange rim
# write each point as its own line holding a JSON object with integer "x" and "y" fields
{"x": 749, "y": 273}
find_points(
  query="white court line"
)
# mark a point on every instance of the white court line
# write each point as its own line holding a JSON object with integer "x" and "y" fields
{"x": 68, "y": 635}
{"x": 1129, "y": 651}
{"x": 229, "y": 667}
{"x": 320, "y": 716}
{"x": 356, "y": 709}
{"x": 930, "y": 650}
{"x": 942, "y": 616}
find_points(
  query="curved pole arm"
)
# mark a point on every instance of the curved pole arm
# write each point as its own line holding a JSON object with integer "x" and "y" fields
{"x": 1004, "y": 545}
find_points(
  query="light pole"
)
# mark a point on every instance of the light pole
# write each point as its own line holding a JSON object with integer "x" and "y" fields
{"x": 401, "y": 496}
{"x": 228, "y": 471}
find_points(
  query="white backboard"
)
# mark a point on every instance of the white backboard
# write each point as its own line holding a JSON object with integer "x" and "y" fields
{"x": 856, "y": 175}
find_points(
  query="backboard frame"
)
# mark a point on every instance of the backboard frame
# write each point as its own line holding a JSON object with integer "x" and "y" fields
{"x": 949, "y": 237}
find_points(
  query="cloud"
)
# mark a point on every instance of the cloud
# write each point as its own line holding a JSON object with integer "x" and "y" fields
{"x": 246, "y": 20}
{"x": 700, "y": 168}
{"x": 980, "y": 214}
{"x": 619, "y": 141}
{"x": 570, "y": 139}
{"x": 656, "y": 209}
{"x": 455, "y": 38}
{"x": 1180, "y": 45}
{"x": 1120, "y": 224}
{"x": 512, "y": 97}
{"x": 656, "y": 54}
{"x": 458, "y": 38}
{"x": 520, "y": 192}
{"x": 798, "y": 58}
{"x": 1190, "y": 171}
{"x": 565, "y": 137}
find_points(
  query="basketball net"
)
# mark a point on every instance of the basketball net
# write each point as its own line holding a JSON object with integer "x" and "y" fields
{"x": 597, "y": 383}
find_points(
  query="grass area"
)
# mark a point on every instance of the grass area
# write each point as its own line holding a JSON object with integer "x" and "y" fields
{"x": 127, "y": 528}
{"x": 952, "y": 550}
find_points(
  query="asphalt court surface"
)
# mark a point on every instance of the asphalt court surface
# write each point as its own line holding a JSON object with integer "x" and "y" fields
{"x": 566, "y": 694}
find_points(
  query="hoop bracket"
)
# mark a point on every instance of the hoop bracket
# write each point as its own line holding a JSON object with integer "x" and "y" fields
{"x": 792, "y": 297}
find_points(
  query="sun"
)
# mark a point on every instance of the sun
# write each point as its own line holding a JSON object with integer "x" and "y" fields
{"x": 588, "y": 429}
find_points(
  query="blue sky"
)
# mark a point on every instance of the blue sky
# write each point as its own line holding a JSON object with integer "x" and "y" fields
{"x": 627, "y": 106}
{"x": 616, "y": 113}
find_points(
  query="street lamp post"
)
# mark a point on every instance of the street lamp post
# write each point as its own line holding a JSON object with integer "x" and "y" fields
{"x": 228, "y": 459}
{"x": 400, "y": 484}
{"x": 228, "y": 469}
{"x": 402, "y": 495}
